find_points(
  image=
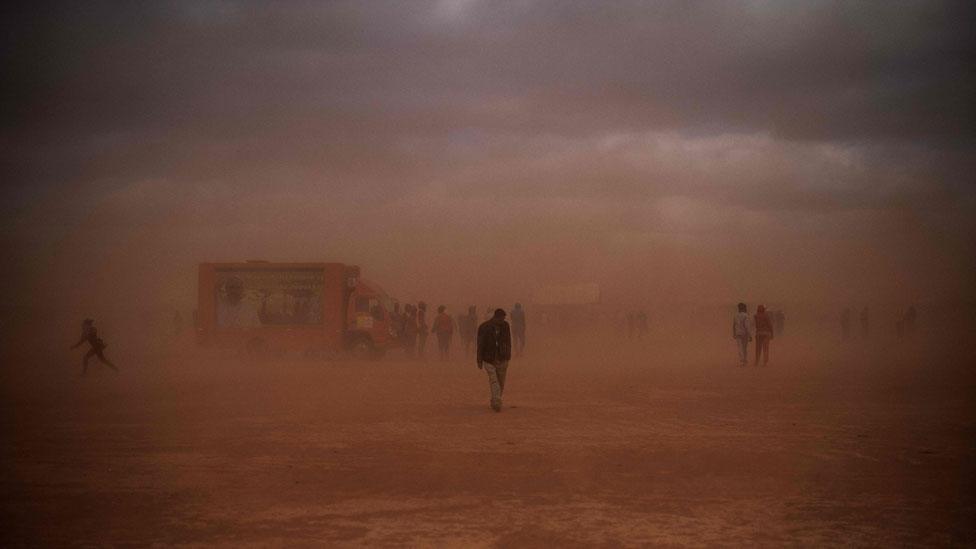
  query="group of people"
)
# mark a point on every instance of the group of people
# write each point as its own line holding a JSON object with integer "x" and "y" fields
{"x": 492, "y": 339}
{"x": 762, "y": 326}
{"x": 904, "y": 326}
{"x": 412, "y": 329}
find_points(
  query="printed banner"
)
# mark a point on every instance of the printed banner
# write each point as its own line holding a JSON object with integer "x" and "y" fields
{"x": 263, "y": 297}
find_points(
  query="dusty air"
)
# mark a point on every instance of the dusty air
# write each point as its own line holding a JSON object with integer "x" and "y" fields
{"x": 459, "y": 273}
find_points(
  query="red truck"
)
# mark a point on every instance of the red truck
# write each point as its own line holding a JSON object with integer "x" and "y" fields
{"x": 309, "y": 308}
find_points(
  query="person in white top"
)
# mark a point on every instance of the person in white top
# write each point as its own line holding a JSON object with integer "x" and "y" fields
{"x": 742, "y": 333}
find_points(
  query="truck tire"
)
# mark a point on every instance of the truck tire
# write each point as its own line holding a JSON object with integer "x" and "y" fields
{"x": 362, "y": 348}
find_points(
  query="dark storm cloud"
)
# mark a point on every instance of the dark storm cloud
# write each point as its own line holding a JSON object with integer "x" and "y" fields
{"x": 608, "y": 123}
{"x": 807, "y": 70}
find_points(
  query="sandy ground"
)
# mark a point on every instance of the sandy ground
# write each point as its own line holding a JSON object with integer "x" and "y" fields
{"x": 649, "y": 444}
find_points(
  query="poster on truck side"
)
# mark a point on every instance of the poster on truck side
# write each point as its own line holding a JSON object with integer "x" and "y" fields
{"x": 250, "y": 298}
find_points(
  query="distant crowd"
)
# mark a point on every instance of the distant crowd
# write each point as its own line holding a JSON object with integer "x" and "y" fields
{"x": 410, "y": 324}
{"x": 494, "y": 340}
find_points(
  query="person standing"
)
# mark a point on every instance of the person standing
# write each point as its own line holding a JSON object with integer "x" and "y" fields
{"x": 443, "y": 327}
{"x": 422, "y": 329}
{"x": 396, "y": 321}
{"x": 494, "y": 352}
{"x": 409, "y": 330}
{"x": 764, "y": 334}
{"x": 845, "y": 323}
{"x": 518, "y": 328}
{"x": 468, "y": 325}
{"x": 642, "y": 325}
{"x": 96, "y": 346}
{"x": 741, "y": 333}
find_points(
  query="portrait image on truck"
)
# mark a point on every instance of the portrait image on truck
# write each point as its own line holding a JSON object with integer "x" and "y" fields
{"x": 308, "y": 308}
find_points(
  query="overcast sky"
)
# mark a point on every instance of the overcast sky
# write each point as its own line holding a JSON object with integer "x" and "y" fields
{"x": 776, "y": 150}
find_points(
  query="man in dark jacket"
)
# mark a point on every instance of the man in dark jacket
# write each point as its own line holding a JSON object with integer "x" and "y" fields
{"x": 494, "y": 352}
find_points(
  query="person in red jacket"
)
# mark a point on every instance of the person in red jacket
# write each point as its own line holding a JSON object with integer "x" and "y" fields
{"x": 764, "y": 334}
{"x": 443, "y": 326}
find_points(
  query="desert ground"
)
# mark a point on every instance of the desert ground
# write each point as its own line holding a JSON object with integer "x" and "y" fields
{"x": 602, "y": 442}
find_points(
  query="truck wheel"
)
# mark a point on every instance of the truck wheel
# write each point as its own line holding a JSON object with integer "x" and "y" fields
{"x": 362, "y": 348}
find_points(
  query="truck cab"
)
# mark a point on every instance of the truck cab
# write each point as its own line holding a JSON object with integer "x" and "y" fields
{"x": 369, "y": 325}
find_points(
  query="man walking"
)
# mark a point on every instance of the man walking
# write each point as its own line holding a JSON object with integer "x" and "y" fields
{"x": 494, "y": 352}
{"x": 741, "y": 333}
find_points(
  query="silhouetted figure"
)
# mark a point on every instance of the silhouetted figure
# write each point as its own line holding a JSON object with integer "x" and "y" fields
{"x": 764, "y": 334}
{"x": 96, "y": 346}
{"x": 177, "y": 323}
{"x": 911, "y": 316}
{"x": 518, "y": 328}
{"x": 468, "y": 326}
{"x": 779, "y": 323}
{"x": 422, "y": 329}
{"x": 410, "y": 330}
{"x": 865, "y": 323}
{"x": 494, "y": 352}
{"x": 845, "y": 323}
{"x": 741, "y": 333}
{"x": 396, "y": 321}
{"x": 641, "y": 325}
{"x": 443, "y": 328}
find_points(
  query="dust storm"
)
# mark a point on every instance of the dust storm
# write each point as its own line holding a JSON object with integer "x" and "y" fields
{"x": 263, "y": 228}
